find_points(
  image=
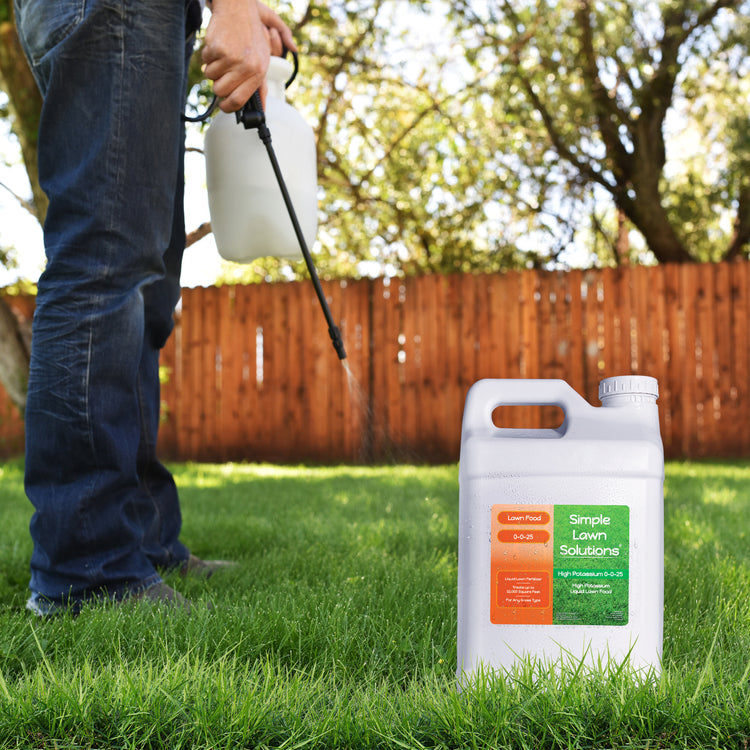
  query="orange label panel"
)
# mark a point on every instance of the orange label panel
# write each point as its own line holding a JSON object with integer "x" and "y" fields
{"x": 522, "y": 564}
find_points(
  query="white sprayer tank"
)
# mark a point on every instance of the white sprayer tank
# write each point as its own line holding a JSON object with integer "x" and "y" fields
{"x": 248, "y": 216}
{"x": 561, "y": 531}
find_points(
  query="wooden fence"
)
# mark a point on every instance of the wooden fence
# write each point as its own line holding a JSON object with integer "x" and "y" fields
{"x": 250, "y": 373}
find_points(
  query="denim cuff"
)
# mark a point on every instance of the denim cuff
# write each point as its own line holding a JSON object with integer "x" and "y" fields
{"x": 44, "y": 606}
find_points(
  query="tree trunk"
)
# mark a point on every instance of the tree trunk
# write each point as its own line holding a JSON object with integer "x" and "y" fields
{"x": 622, "y": 245}
{"x": 741, "y": 234}
{"x": 649, "y": 216}
{"x": 639, "y": 193}
{"x": 25, "y": 104}
{"x": 14, "y": 356}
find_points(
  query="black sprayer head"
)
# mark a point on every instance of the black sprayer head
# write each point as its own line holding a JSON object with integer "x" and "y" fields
{"x": 338, "y": 342}
{"x": 251, "y": 115}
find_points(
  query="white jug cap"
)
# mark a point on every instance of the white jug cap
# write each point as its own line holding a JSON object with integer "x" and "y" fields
{"x": 279, "y": 68}
{"x": 638, "y": 386}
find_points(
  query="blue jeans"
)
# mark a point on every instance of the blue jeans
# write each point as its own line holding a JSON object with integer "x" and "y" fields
{"x": 111, "y": 147}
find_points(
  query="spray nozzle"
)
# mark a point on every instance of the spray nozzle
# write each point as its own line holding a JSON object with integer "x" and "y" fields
{"x": 338, "y": 342}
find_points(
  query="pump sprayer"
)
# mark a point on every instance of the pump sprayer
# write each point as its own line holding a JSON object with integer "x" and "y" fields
{"x": 245, "y": 214}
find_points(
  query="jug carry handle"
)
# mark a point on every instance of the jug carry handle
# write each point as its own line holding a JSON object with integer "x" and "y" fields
{"x": 486, "y": 395}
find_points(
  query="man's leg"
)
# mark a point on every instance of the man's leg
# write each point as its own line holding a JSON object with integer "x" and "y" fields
{"x": 110, "y": 144}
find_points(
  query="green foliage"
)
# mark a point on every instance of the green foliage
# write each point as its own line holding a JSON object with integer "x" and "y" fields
{"x": 705, "y": 183}
{"x": 586, "y": 89}
{"x": 263, "y": 270}
{"x": 20, "y": 287}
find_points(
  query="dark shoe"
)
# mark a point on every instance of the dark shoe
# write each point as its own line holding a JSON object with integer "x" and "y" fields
{"x": 159, "y": 594}
{"x": 194, "y": 566}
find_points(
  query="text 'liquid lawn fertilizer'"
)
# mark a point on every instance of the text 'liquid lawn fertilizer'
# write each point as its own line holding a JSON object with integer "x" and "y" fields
{"x": 561, "y": 531}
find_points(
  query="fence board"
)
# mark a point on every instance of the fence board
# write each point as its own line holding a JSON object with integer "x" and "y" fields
{"x": 547, "y": 341}
{"x": 704, "y": 357}
{"x": 273, "y": 341}
{"x": 529, "y": 348}
{"x": 411, "y": 364}
{"x": 511, "y": 328}
{"x": 644, "y": 329}
{"x": 571, "y": 350}
{"x": 190, "y": 408}
{"x": 593, "y": 353}
{"x": 229, "y": 373}
{"x": 692, "y": 423}
{"x": 487, "y": 297}
{"x": 435, "y": 355}
{"x": 384, "y": 367}
{"x": 169, "y": 394}
{"x": 615, "y": 349}
{"x": 655, "y": 335}
{"x": 254, "y": 310}
{"x": 462, "y": 363}
{"x": 356, "y": 396}
{"x": 449, "y": 367}
{"x": 739, "y": 337}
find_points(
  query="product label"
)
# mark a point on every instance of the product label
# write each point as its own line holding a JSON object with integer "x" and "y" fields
{"x": 560, "y": 564}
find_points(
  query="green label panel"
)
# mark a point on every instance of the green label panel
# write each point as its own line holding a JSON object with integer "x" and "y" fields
{"x": 590, "y": 564}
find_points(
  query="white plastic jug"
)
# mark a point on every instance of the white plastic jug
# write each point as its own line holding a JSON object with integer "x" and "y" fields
{"x": 248, "y": 215}
{"x": 561, "y": 531}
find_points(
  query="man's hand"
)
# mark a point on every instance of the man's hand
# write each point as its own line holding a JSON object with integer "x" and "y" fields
{"x": 240, "y": 38}
{"x": 277, "y": 32}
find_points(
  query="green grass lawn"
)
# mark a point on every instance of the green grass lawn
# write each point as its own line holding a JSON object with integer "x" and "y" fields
{"x": 338, "y": 628}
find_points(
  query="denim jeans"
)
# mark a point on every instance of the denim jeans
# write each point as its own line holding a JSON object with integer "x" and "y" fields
{"x": 111, "y": 148}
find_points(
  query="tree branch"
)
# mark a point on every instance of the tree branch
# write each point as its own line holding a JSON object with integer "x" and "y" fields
{"x": 608, "y": 113}
{"x": 198, "y": 234}
{"x": 28, "y": 205}
{"x": 550, "y": 125}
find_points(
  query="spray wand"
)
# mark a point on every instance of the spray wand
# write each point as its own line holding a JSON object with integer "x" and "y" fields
{"x": 252, "y": 116}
